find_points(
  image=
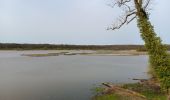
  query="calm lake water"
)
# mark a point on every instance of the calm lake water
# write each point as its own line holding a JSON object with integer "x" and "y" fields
{"x": 63, "y": 77}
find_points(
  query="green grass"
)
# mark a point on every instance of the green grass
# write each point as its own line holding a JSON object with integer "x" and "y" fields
{"x": 107, "y": 97}
{"x": 152, "y": 96}
{"x": 115, "y": 97}
{"x": 150, "y": 93}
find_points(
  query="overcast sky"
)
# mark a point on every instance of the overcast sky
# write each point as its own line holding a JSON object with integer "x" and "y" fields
{"x": 73, "y": 22}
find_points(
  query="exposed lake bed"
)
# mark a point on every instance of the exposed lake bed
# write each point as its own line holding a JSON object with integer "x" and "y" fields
{"x": 64, "y": 77}
{"x": 86, "y": 52}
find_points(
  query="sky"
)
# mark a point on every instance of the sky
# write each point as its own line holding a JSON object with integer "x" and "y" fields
{"x": 81, "y": 22}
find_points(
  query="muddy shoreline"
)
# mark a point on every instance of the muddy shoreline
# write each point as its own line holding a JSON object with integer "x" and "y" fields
{"x": 86, "y": 52}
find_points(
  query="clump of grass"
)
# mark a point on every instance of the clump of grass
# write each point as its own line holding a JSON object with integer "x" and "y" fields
{"x": 100, "y": 95}
{"x": 107, "y": 97}
{"x": 150, "y": 92}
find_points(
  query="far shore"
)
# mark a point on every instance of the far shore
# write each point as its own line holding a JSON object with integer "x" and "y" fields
{"x": 44, "y": 53}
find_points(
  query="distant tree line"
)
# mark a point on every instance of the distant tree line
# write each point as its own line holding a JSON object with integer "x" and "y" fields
{"x": 14, "y": 46}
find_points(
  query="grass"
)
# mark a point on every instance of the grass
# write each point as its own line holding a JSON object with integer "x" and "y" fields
{"x": 107, "y": 97}
{"x": 115, "y": 97}
{"x": 149, "y": 92}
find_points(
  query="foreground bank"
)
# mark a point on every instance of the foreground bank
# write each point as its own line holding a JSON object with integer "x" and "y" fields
{"x": 143, "y": 90}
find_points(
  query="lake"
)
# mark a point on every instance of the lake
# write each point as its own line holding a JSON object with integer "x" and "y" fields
{"x": 63, "y": 77}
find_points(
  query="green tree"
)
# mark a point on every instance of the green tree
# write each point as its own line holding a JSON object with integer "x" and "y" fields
{"x": 158, "y": 56}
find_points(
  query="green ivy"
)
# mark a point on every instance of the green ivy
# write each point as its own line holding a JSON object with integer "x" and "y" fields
{"x": 158, "y": 56}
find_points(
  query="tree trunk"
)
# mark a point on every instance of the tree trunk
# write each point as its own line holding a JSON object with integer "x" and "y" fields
{"x": 158, "y": 57}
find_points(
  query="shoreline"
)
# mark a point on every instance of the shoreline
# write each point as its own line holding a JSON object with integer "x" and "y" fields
{"x": 41, "y": 53}
{"x": 143, "y": 90}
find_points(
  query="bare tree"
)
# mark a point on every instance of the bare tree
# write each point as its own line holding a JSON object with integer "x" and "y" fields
{"x": 132, "y": 10}
{"x": 159, "y": 58}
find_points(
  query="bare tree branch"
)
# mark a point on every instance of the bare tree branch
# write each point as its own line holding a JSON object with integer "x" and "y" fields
{"x": 121, "y": 2}
{"x": 147, "y": 4}
{"x": 124, "y": 1}
{"x": 131, "y": 19}
{"x": 123, "y": 21}
{"x": 131, "y": 7}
